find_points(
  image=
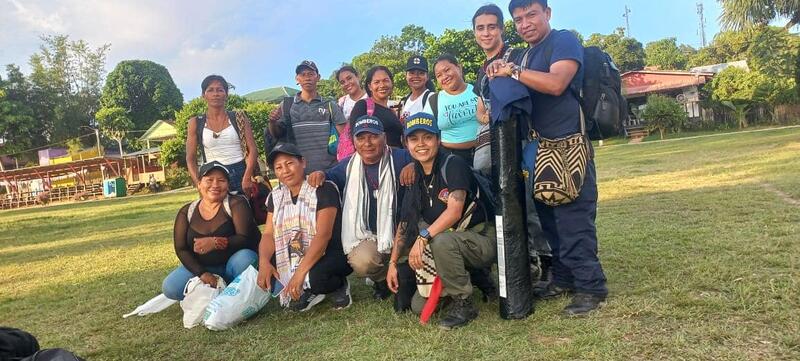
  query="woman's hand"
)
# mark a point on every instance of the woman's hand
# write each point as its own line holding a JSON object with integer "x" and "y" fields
{"x": 247, "y": 186}
{"x": 415, "y": 256}
{"x": 295, "y": 286}
{"x": 209, "y": 279}
{"x": 265, "y": 275}
{"x": 220, "y": 243}
{"x": 205, "y": 245}
{"x": 391, "y": 277}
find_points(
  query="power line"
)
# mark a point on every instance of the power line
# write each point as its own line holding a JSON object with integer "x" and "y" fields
{"x": 64, "y": 142}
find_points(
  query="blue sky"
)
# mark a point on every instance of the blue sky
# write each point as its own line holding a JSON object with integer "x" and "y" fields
{"x": 256, "y": 44}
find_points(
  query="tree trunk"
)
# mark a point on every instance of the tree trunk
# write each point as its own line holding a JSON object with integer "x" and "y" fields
{"x": 119, "y": 142}
{"x": 661, "y": 132}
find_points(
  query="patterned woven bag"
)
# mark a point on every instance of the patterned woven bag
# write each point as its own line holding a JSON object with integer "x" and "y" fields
{"x": 560, "y": 167}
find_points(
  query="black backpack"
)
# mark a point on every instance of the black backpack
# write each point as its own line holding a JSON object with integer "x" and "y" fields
{"x": 288, "y": 134}
{"x": 604, "y": 107}
{"x": 16, "y": 344}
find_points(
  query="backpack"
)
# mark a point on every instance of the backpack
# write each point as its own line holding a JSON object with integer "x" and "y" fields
{"x": 201, "y": 124}
{"x": 433, "y": 100}
{"x": 226, "y": 204}
{"x": 405, "y": 99}
{"x": 346, "y": 146}
{"x": 16, "y": 344}
{"x": 288, "y": 134}
{"x": 485, "y": 194}
{"x": 604, "y": 107}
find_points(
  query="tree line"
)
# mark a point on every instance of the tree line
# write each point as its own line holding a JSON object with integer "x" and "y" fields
{"x": 67, "y": 94}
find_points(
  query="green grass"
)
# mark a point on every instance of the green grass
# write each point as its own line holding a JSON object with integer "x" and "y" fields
{"x": 699, "y": 240}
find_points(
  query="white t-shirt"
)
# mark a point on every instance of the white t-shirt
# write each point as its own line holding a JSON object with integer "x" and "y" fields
{"x": 347, "y": 104}
{"x": 412, "y": 107}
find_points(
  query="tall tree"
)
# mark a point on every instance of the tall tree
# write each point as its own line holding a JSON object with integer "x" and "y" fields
{"x": 18, "y": 128}
{"x": 626, "y": 52}
{"x": 739, "y": 14}
{"x": 462, "y": 45}
{"x": 66, "y": 81}
{"x": 115, "y": 123}
{"x": 393, "y": 52}
{"x": 665, "y": 54}
{"x": 145, "y": 89}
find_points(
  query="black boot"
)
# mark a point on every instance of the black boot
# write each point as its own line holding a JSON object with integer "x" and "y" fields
{"x": 583, "y": 303}
{"x": 407, "y": 285}
{"x": 380, "y": 290}
{"x": 483, "y": 280}
{"x": 460, "y": 312}
{"x": 550, "y": 292}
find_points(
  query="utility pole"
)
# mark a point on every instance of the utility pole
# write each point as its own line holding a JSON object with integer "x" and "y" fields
{"x": 702, "y": 28}
{"x": 627, "y": 16}
{"x": 97, "y": 137}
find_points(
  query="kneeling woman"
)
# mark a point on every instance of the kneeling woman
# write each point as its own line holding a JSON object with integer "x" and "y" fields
{"x": 214, "y": 235}
{"x": 303, "y": 233}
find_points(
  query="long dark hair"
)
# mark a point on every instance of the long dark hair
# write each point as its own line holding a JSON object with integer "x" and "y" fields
{"x": 371, "y": 73}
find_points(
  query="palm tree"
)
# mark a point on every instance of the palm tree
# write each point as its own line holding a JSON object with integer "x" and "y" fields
{"x": 739, "y": 14}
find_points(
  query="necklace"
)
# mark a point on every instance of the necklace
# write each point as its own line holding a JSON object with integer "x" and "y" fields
{"x": 428, "y": 188}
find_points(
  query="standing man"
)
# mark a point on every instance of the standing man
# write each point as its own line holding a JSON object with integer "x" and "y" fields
{"x": 442, "y": 209}
{"x": 370, "y": 181}
{"x": 554, "y": 65}
{"x": 487, "y": 24}
{"x": 306, "y": 120}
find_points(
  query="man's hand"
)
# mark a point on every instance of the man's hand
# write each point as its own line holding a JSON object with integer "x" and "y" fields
{"x": 499, "y": 67}
{"x": 408, "y": 175}
{"x": 209, "y": 279}
{"x": 315, "y": 179}
{"x": 265, "y": 275}
{"x": 391, "y": 277}
{"x": 415, "y": 256}
{"x": 275, "y": 114}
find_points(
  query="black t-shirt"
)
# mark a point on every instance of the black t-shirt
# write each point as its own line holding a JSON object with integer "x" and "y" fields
{"x": 477, "y": 87}
{"x": 327, "y": 197}
{"x": 391, "y": 123}
{"x": 435, "y": 191}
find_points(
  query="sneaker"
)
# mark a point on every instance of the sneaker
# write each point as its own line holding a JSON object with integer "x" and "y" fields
{"x": 459, "y": 313}
{"x": 306, "y": 301}
{"x": 380, "y": 291}
{"x": 583, "y": 303}
{"x": 550, "y": 292}
{"x": 341, "y": 298}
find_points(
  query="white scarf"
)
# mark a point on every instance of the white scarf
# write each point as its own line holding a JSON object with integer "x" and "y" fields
{"x": 356, "y": 204}
{"x": 291, "y": 219}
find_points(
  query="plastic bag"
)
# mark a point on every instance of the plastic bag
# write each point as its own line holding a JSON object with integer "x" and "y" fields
{"x": 240, "y": 300}
{"x": 196, "y": 297}
{"x": 155, "y": 305}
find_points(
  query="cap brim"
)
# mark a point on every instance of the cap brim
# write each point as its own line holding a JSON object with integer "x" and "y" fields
{"x": 417, "y": 67}
{"x": 368, "y": 130}
{"x": 220, "y": 167}
{"x": 300, "y": 68}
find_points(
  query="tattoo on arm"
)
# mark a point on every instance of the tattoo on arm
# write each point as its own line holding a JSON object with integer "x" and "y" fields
{"x": 400, "y": 235}
{"x": 458, "y": 196}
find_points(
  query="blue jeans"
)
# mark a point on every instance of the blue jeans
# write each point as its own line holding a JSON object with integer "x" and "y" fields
{"x": 176, "y": 281}
{"x": 237, "y": 172}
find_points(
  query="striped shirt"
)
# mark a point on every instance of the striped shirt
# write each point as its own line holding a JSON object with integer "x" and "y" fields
{"x": 311, "y": 123}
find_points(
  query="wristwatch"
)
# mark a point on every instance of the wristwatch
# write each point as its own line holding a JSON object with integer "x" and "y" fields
{"x": 425, "y": 235}
{"x": 516, "y": 70}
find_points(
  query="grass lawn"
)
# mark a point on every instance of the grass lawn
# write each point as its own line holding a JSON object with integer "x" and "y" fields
{"x": 699, "y": 239}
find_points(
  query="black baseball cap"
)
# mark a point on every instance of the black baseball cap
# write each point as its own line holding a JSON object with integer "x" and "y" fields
{"x": 417, "y": 62}
{"x": 205, "y": 168}
{"x": 306, "y": 64}
{"x": 367, "y": 123}
{"x": 283, "y": 148}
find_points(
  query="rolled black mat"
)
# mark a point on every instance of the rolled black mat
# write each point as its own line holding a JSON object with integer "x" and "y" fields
{"x": 516, "y": 297}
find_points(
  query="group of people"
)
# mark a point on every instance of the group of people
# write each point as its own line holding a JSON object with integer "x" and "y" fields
{"x": 385, "y": 192}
